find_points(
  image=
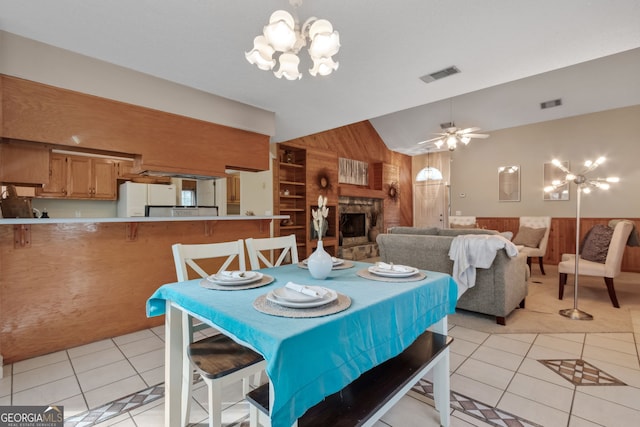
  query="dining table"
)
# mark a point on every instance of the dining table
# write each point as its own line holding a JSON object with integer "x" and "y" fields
{"x": 310, "y": 352}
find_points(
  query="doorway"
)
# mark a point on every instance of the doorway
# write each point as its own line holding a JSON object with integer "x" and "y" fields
{"x": 430, "y": 204}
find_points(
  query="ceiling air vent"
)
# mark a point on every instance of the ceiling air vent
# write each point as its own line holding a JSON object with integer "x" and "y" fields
{"x": 551, "y": 104}
{"x": 440, "y": 74}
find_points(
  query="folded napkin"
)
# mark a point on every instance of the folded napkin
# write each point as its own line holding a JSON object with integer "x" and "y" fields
{"x": 392, "y": 267}
{"x": 316, "y": 292}
{"x": 234, "y": 274}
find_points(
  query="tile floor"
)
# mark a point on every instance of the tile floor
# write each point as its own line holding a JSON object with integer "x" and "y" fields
{"x": 571, "y": 379}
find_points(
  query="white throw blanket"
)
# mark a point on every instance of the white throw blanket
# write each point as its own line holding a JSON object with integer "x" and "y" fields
{"x": 471, "y": 251}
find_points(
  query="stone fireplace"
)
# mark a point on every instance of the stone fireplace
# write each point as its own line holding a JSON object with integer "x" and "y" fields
{"x": 358, "y": 216}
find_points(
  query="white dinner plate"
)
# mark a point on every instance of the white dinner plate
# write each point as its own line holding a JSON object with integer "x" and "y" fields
{"x": 330, "y": 296}
{"x": 221, "y": 279}
{"x": 290, "y": 295}
{"x": 392, "y": 273}
{"x": 335, "y": 261}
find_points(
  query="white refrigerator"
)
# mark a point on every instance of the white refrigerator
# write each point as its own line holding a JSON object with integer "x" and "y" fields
{"x": 134, "y": 197}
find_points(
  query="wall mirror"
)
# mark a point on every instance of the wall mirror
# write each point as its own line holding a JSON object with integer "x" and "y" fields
{"x": 551, "y": 174}
{"x": 509, "y": 183}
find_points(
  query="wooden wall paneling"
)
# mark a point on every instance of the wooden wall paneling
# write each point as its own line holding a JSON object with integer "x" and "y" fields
{"x": 325, "y": 162}
{"x": 166, "y": 142}
{"x": 392, "y": 215}
{"x": 405, "y": 194}
{"x": 24, "y": 163}
{"x": 360, "y": 141}
{"x": 102, "y": 290}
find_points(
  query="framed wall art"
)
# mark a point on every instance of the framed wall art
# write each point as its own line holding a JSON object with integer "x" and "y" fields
{"x": 353, "y": 172}
{"x": 509, "y": 183}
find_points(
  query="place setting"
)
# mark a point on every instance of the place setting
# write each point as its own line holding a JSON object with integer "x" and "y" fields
{"x": 236, "y": 280}
{"x": 297, "y": 300}
{"x": 337, "y": 264}
{"x": 390, "y": 272}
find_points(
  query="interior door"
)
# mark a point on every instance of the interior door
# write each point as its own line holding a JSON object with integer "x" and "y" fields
{"x": 430, "y": 204}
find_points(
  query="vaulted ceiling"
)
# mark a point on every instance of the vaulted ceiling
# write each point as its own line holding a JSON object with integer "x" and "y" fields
{"x": 512, "y": 55}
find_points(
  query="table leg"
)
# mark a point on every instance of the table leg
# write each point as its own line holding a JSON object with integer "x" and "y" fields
{"x": 441, "y": 387}
{"x": 173, "y": 355}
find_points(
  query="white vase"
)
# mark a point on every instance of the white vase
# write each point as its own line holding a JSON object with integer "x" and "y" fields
{"x": 320, "y": 263}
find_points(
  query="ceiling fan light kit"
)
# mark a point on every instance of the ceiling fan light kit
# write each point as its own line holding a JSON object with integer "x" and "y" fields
{"x": 452, "y": 136}
{"x": 284, "y": 37}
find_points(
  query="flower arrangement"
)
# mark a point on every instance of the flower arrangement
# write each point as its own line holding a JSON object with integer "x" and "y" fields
{"x": 320, "y": 215}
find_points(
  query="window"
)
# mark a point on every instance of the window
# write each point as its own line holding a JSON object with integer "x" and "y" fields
{"x": 429, "y": 174}
{"x": 188, "y": 193}
{"x": 188, "y": 198}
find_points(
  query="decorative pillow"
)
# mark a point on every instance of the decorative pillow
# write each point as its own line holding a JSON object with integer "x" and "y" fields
{"x": 596, "y": 243}
{"x": 529, "y": 237}
{"x": 507, "y": 235}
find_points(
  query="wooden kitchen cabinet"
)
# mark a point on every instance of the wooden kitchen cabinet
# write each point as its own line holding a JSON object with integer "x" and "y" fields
{"x": 24, "y": 163}
{"x": 33, "y": 111}
{"x": 57, "y": 186}
{"x": 81, "y": 177}
{"x": 233, "y": 189}
{"x": 124, "y": 169}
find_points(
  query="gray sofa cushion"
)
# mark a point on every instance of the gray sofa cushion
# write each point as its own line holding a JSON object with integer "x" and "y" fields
{"x": 461, "y": 231}
{"x": 431, "y": 231}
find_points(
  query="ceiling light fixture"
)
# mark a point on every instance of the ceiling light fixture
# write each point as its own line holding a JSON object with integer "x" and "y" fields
{"x": 284, "y": 37}
{"x": 584, "y": 185}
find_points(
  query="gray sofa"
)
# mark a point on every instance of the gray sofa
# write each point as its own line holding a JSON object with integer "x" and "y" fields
{"x": 498, "y": 290}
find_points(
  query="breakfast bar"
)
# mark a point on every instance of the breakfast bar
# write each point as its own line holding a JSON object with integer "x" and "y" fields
{"x": 66, "y": 282}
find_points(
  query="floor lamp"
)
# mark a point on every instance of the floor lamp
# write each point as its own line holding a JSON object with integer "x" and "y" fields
{"x": 583, "y": 185}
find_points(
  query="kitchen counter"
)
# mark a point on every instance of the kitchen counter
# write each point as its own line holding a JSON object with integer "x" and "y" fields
{"x": 80, "y": 220}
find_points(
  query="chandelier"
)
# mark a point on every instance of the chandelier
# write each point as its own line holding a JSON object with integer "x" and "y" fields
{"x": 584, "y": 185}
{"x": 284, "y": 38}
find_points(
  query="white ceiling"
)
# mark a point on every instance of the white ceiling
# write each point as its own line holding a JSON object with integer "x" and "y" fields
{"x": 386, "y": 46}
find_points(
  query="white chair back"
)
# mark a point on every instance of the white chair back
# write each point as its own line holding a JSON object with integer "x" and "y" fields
{"x": 187, "y": 255}
{"x": 613, "y": 263}
{"x": 257, "y": 247}
{"x": 538, "y": 222}
{"x": 462, "y": 221}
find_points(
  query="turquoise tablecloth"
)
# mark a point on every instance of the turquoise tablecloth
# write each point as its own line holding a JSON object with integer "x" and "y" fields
{"x": 310, "y": 358}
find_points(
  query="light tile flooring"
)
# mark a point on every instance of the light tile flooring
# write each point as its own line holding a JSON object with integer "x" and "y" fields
{"x": 571, "y": 379}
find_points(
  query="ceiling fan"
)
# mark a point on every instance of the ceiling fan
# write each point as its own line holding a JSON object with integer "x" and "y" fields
{"x": 452, "y": 135}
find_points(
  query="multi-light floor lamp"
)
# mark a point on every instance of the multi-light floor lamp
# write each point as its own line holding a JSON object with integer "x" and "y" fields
{"x": 584, "y": 185}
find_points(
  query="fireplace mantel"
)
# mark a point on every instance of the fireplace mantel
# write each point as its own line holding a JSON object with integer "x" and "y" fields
{"x": 355, "y": 191}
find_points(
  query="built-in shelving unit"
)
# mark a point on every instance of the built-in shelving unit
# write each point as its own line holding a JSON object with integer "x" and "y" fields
{"x": 290, "y": 197}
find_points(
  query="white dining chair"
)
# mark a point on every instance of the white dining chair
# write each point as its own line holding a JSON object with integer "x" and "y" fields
{"x": 218, "y": 359}
{"x": 256, "y": 249}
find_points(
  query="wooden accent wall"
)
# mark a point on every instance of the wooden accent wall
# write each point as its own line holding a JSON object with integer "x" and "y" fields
{"x": 359, "y": 141}
{"x": 164, "y": 142}
{"x": 562, "y": 238}
{"x": 320, "y": 161}
{"x": 78, "y": 283}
